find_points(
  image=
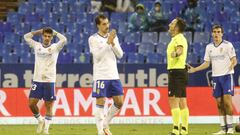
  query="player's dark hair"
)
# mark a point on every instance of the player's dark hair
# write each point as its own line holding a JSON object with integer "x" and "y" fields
{"x": 48, "y": 30}
{"x": 97, "y": 18}
{"x": 216, "y": 26}
{"x": 181, "y": 24}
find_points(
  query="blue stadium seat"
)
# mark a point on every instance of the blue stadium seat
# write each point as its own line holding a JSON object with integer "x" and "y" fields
{"x": 135, "y": 58}
{"x": 65, "y": 58}
{"x": 11, "y": 38}
{"x": 188, "y": 36}
{"x": 32, "y": 17}
{"x": 164, "y": 37}
{"x": 154, "y": 58}
{"x": 129, "y": 47}
{"x": 201, "y": 37}
{"x": 145, "y": 48}
{"x": 133, "y": 37}
{"x": 118, "y": 17}
{"x": 14, "y": 17}
{"x": 161, "y": 48}
{"x": 192, "y": 58}
{"x": 10, "y": 58}
{"x": 150, "y": 37}
{"x": 27, "y": 58}
{"x": 6, "y": 27}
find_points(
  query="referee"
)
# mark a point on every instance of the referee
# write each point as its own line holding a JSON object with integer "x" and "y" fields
{"x": 177, "y": 76}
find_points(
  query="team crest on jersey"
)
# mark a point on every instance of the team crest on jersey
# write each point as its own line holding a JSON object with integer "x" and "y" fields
{"x": 49, "y": 49}
{"x": 221, "y": 50}
{"x": 98, "y": 91}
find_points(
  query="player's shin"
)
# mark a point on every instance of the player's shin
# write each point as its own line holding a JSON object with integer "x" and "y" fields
{"x": 99, "y": 116}
{"x": 113, "y": 110}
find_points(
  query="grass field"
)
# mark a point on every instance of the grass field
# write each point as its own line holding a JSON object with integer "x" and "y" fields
{"x": 140, "y": 129}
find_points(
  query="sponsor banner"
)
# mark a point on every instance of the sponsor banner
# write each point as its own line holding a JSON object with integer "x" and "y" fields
{"x": 80, "y": 75}
{"x": 138, "y": 102}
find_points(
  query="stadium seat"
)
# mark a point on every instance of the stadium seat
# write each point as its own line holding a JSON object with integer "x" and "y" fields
{"x": 132, "y": 37}
{"x": 201, "y": 37}
{"x": 10, "y": 58}
{"x": 129, "y": 47}
{"x": 145, "y": 48}
{"x": 161, "y": 48}
{"x": 135, "y": 58}
{"x": 154, "y": 58}
{"x": 151, "y": 37}
{"x": 65, "y": 58}
{"x": 164, "y": 37}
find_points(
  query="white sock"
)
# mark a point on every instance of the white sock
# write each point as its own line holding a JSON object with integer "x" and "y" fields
{"x": 99, "y": 116}
{"x": 223, "y": 122}
{"x": 113, "y": 110}
{"x": 229, "y": 119}
{"x": 48, "y": 120}
{"x": 38, "y": 117}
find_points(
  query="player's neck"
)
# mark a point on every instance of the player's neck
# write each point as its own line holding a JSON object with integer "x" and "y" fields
{"x": 218, "y": 42}
{"x": 46, "y": 45}
{"x": 102, "y": 33}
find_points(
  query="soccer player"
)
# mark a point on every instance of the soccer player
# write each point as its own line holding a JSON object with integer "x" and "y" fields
{"x": 177, "y": 76}
{"x": 221, "y": 54}
{"x": 105, "y": 48}
{"x": 44, "y": 78}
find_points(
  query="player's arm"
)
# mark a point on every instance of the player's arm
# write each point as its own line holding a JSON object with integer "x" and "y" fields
{"x": 113, "y": 41}
{"x": 203, "y": 66}
{"x": 233, "y": 63}
{"x": 28, "y": 37}
{"x": 62, "y": 40}
{"x": 232, "y": 55}
{"x": 96, "y": 51}
{"x": 178, "y": 52}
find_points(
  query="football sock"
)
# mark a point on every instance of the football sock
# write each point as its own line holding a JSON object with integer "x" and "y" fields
{"x": 99, "y": 116}
{"x": 184, "y": 117}
{"x": 113, "y": 110}
{"x": 176, "y": 119}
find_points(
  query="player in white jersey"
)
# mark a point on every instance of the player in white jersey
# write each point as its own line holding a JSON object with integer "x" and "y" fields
{"x": 221, "y": 54}
{"x": 105, "y": 48}
{"x": 44, "y": 78}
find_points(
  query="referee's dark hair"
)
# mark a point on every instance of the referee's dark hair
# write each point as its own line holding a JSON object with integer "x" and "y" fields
{"x": 100, "y": 16}
{"x": 181, "y": 24}
{"x": 216, "y": 26}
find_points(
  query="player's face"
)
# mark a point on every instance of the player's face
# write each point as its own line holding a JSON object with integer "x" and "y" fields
{"x": 217, "y": 34}
{"x": 104, "y": 26}
{"x": 172, "y": 27}
{"x": 47, "y": 38}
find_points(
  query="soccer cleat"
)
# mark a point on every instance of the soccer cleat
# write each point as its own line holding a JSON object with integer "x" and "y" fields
{"x": 221, "y": 132}
{"x": 45, "y": 132}
{"x": 107, "y": 131}
{"x": 230, "y": 131}
{"x": 40, "y": 126}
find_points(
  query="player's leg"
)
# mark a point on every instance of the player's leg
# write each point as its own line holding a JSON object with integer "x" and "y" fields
{"x": 218, "y": 94}
{"x": 184, "y": 115}
{"x": 116, "y": 92}
{"x": 49, "y": 97}
{"x": 36, "y": 94}
{"x": 99, "y": 114}
{"x": 228, "y": 91}
{"x": 99, "y": 92}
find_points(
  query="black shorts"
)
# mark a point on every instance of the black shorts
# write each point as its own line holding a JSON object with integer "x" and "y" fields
{"x": 177, "y": 82}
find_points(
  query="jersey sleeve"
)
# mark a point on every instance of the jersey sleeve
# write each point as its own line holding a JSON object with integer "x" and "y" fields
{"x": 181, "y": 41}
{"x": 117, "y": 50}
{"x": 207, "y": 55}
{"x": 97, "y": 51}
{"x": 231, "y": 51}
{"x": 62, "y": 41}
{"x": 28, "y": 38}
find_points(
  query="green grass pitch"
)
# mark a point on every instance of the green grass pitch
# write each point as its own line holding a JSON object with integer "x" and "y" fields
{"x": 131, "y": 129}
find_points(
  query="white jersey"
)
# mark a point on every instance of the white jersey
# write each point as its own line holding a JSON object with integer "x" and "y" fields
{"x": 45, "y": 58}
{"x": 104, "y": 57}
{"x": 220, "y": 57}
